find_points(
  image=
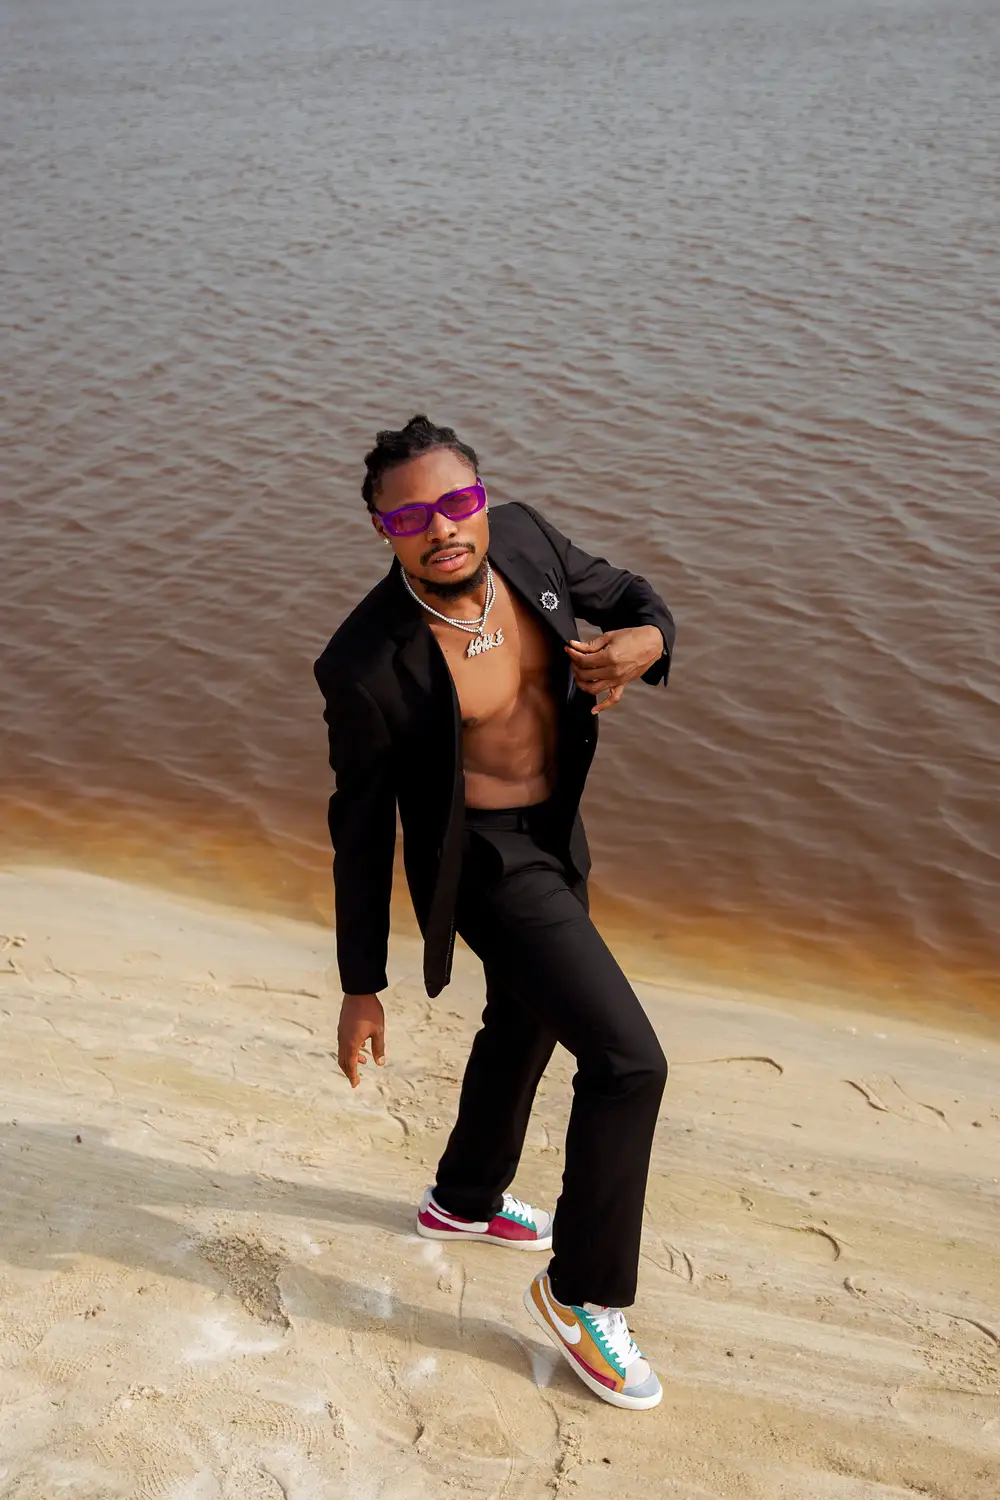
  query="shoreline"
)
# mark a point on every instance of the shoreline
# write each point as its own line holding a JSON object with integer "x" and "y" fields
{"x": 208, "y": 1259}
{"x": 718, "y": 957}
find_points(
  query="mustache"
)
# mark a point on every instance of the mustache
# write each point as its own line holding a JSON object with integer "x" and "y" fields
{"x": 446, "y": 547}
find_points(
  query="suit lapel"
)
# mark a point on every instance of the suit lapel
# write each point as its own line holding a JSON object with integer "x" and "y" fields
{"x": 417, "y": 652}
{"x": 533, "y": 582}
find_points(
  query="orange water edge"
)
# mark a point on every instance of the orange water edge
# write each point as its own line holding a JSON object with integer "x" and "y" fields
{"x": 748, "y": 955}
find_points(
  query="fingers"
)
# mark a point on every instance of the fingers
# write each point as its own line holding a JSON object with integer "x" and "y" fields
{"x": 587, "y": 647}
{"x": 590, "y": 659}
{"x": 347, "y": 1061}
{"x": 378, "y": 1045}
{"x": 614, "y": 696}
{"x": 362, "y": 1020}
{"x": 594, "y": 672}
{"x": 594, "y": 665}
{"x": 598, "y": 682}
{"x": 351, "y": 1055}
{"x": 594, "y": 680}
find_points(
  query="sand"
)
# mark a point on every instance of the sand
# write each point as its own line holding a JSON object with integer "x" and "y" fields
{"x": 210, "y": 1288}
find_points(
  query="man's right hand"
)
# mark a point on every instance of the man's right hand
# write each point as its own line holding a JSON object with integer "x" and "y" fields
{"x": 362, "y": 1019}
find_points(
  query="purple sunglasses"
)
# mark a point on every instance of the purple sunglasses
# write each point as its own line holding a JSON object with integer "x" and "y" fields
{"x": 457, "y": 505}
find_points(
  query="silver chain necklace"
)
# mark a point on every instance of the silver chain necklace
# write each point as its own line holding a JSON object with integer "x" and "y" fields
{"x": 482, "y": 640}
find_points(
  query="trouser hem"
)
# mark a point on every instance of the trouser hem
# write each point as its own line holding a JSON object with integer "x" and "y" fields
{"x": 465, "y": 1208}
{"x": 575, "y": 1296}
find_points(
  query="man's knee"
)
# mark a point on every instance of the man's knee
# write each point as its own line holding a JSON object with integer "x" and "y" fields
{"x": 635, "y": 1065}
{"x": 652, "y": 1065}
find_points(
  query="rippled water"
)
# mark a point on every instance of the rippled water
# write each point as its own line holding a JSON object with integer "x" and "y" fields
{"x": 713, "y": 284}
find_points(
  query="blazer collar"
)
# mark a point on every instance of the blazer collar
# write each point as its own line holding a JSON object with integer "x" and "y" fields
{"x": 416, "y": 649}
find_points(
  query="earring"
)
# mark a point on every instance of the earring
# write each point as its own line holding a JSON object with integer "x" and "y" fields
{"x": 386, "y": 540}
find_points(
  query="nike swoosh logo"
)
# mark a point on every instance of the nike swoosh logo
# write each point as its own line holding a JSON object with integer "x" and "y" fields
{"x": 571, "y": 1333}
{"x": 473, "y": 1225}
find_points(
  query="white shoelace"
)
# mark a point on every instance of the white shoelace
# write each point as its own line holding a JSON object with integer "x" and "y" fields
{"x": 611, "y": 1324}
{"x": 512, "y": 1205}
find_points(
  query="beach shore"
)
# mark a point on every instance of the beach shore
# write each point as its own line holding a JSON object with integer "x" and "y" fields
{"x": 211, "y": 1287}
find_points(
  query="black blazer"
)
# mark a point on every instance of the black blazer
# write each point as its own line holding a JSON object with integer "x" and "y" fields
{"x": 395, "y": 737}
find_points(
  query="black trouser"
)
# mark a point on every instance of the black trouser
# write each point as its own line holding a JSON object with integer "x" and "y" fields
{"x": 550, "y": 978}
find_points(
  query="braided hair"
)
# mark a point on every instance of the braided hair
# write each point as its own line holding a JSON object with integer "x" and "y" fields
{"x": 392, "y": 448}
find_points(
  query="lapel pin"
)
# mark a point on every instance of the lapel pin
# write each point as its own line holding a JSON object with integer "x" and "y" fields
{"x": 548, "y": 600}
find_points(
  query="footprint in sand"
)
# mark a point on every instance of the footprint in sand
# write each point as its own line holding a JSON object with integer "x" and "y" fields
{"x": 254, "y": 1420}
{"x": 70, "y": 1294}
{"x": 153, "y": 1464}
{"x": 251, "y": 1482}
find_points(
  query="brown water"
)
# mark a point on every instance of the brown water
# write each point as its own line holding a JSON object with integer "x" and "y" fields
{"x": 713, "y": 284}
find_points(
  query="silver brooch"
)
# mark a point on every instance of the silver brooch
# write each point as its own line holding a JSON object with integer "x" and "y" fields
{"x": 549, "y": 600}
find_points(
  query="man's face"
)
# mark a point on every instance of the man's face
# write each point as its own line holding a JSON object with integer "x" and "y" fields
{"x": 448, "y": 552}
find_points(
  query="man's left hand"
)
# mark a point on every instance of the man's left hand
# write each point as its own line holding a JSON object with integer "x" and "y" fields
{"x": 614, "y": 659}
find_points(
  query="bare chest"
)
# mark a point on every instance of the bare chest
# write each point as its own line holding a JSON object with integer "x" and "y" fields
{"x": 490, "y": 684}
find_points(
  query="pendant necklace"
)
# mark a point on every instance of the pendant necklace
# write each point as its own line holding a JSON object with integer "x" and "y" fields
{"x": 482, "y": 639}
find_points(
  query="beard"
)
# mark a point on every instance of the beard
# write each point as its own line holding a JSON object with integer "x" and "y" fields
{"x": 444, "y": 588}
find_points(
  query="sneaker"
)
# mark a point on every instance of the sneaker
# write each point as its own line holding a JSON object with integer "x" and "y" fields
{"x": 597, "y": 1345}
{"x": 517, "y": 1225}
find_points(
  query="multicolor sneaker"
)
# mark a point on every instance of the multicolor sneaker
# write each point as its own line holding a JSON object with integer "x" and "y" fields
{"x": 517, "y": 1225}
{"x": 598, "y": 1346}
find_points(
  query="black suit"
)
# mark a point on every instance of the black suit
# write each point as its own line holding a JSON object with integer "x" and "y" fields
{"x": 515, "y": 888}
{"x": 395, "y": 737}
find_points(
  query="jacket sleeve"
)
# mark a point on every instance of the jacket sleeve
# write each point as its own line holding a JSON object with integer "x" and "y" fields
{"x": 611, "y": 598}
{"x": 362, "y": 819}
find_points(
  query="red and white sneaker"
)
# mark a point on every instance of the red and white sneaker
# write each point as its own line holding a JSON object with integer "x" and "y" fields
{"x": 518, "y": 1226}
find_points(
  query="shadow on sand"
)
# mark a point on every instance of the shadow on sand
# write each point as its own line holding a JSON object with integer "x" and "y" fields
{"x": 108, "y": 1210}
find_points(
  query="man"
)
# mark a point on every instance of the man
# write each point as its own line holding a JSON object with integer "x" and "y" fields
{"x": 458, "y": 691}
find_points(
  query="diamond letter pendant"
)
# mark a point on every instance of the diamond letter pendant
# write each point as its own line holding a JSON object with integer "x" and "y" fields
{"x": 484, "y": 642}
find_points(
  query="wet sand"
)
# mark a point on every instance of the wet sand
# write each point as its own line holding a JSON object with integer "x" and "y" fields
{"x": 211, "y": 1287}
